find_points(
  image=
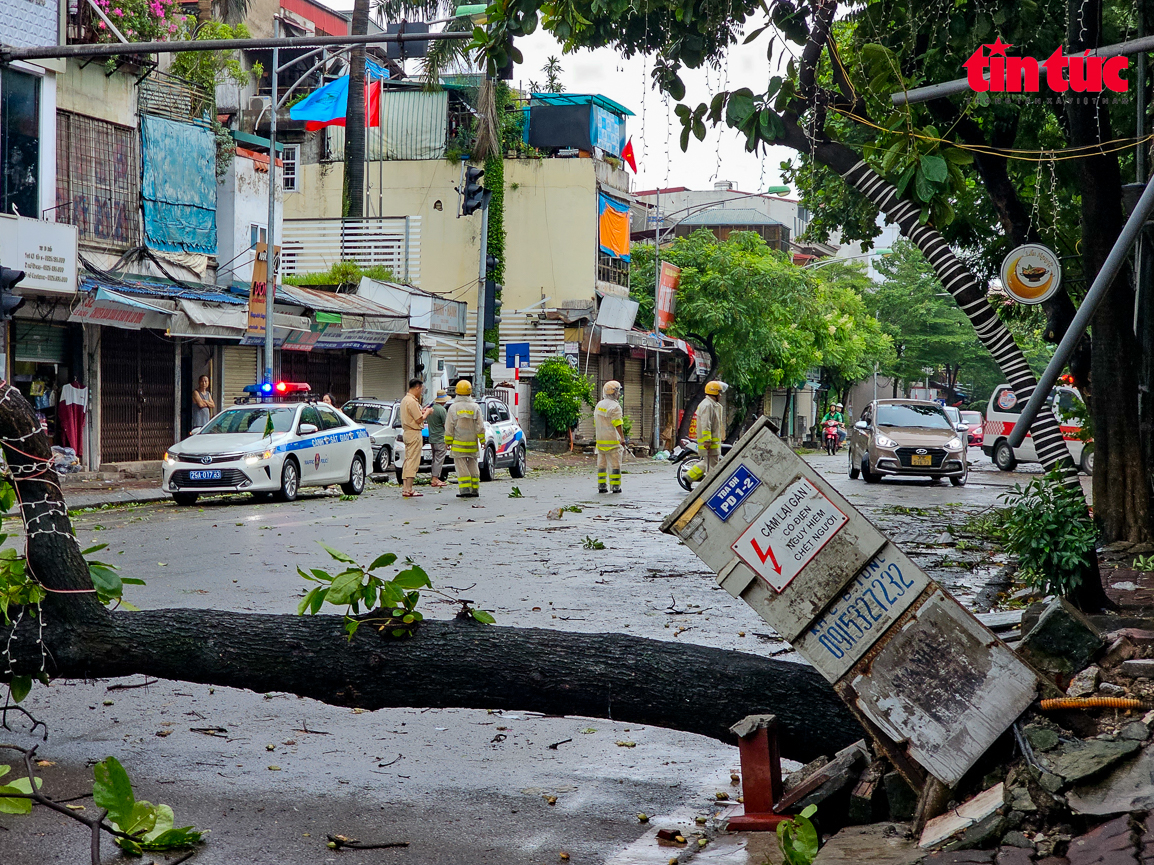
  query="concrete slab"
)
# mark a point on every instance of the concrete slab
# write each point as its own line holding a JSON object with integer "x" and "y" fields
{"x": 876, "y": 844}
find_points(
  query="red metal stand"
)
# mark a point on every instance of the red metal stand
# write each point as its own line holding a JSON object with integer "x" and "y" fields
{"x": 761, "y": 785}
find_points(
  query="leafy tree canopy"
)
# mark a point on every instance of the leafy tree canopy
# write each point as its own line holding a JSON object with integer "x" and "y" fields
{"x": 766, "y": 321}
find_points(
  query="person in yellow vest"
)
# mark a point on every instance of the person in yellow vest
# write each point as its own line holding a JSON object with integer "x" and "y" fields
{"x": 710, "y": 429}
{"x": 464, "y": 437}
{"x": 607, "y": 419}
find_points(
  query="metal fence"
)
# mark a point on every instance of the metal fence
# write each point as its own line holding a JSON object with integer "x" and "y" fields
{"x": 315, "y": 245}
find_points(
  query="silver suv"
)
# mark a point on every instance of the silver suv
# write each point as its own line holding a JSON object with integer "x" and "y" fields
{"x": 382, "y": 418}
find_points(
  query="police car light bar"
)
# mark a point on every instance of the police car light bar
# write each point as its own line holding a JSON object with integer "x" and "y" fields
{"x": 281, "y": 387}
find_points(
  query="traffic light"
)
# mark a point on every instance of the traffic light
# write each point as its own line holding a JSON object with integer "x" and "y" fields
{"x": 473, "y": 195}
{"x": 9, "y": 302}
{"x": 492, "y": 304}
{"x": 486, "y": 360}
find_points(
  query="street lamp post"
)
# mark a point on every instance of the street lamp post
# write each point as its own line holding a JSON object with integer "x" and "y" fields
{"x": 270, "y": 232}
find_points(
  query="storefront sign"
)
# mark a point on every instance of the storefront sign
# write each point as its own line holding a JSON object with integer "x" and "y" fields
{"x": 110, "y": 309}
{"x": 45, "y": 251}
{"x": 1031, "y": 273}
{"x": 304, "y": 340}
{"x": 258, "y": 293}
{"x": 667, "y": 294}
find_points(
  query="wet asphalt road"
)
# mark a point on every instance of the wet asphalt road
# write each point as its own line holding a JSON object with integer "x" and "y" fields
{"x": 460, "y": 785}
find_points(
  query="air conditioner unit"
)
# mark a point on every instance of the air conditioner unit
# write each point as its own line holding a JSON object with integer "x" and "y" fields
{"x": 257, "y": 104}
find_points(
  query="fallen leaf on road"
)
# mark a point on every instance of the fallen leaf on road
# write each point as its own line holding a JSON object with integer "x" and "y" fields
{"x": 721, "y": 795}
{"x": 621, "y": 744}
{"x": 588, "y": 730}
{"x": 552, "y": 800}
{"x": 45, "y": 763}
{"x": 358, "y": 711}
{"x": 274, "y": 768}
{"x": 564, "y": 855}
{"x": 75, "y": 807}
{"x": 163, "y": 733}
{"x": 270, "y": 747}
{"x": 642, "y": 818}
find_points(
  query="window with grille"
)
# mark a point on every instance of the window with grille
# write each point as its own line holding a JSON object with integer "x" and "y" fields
{"x": 612, "y": 269}
{"x": 98, "y": 179}
{"x": 289, "y": 167}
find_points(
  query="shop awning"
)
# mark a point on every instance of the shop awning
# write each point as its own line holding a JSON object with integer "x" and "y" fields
{"x": 112, "y": 309}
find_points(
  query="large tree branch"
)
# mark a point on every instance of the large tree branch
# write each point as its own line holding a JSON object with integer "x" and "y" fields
{"x": 464, "y": 664}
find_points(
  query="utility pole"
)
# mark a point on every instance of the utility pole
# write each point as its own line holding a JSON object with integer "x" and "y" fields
{"x": 479, "y": 366}
{"x": 270, "y": 233}
{"x": 657, "y": 328}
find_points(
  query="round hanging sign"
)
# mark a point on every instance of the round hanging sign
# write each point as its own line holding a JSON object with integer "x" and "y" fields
{"x": 1031, "y": 273}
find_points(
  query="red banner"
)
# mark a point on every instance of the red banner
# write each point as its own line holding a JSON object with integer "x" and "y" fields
{"x": 667, "y": 294}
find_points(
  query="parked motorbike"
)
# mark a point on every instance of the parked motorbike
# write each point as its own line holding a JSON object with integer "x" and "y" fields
{"x": 686, "y": 456}
{"x": 830, "y": 436}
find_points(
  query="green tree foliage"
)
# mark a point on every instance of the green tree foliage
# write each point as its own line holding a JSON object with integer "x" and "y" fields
{"x": 929, "y": 331}
{"x": 1046, "y": 525}
{"x": 766, "y": 321}
{"x": 561, "y": 391}
{"x": 206, "y": 69}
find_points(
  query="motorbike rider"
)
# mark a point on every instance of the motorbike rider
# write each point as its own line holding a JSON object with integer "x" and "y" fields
{"x": 835, "y": 414}
{"x": 608, "y": 421}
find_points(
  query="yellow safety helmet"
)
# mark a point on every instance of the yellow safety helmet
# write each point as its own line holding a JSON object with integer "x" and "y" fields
{"x": 714, "y": 388}
{"x": 612, "y": 388}
{"x": 464, "y": 388}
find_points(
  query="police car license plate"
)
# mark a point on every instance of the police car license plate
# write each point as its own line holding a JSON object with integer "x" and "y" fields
{"x": 921, "y": 460}
{"x": 209, "y": 475}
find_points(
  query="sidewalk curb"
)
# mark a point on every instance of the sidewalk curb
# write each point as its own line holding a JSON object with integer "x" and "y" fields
{"x": 107, "y": 498}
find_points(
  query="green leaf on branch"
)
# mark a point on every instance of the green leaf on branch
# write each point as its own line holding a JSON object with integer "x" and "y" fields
{"x": 484, "y": 617}
{"x": 739, "y": 108}
{"x": 338, "y": 555}
{"x": 345, "y": 585}
{"x": 112, "y": 790}
{"x": 412, "y": 578}
{"x": 19, "y": 687}
{"x": 383, "y": 561}
{"x": 934, "y": 168}
{"x": 9, "y": 803}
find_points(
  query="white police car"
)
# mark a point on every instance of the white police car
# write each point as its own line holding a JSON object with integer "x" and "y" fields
{"x": 267, "y": 448}
{"x": 504, "y": 445}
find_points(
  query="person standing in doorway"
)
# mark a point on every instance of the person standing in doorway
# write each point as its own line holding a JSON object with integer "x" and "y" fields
{"x": 202, "y": 403}
{"x": 465, "y": 436}
{"x": 437, "y": 436}
{"x": 608, "y": 422}
{"x": 413, "y": 419}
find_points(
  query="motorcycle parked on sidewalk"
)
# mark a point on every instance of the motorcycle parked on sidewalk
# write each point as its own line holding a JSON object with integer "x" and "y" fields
{"x": 687, "y": 457}
{"x": 831, "y": 436}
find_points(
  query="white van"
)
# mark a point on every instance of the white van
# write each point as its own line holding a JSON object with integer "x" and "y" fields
{"x": 1002, "y": 413}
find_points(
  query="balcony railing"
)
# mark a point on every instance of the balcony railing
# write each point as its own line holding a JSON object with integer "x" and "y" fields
{"x": 315, "y": 245}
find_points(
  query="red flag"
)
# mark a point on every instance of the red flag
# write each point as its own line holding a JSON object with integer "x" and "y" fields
{"x": 372, "y": 110}
{"x": 627, "y": 155}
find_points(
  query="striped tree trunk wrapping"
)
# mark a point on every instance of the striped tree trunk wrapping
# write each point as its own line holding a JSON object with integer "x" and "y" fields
{"x": 959, "y": 282}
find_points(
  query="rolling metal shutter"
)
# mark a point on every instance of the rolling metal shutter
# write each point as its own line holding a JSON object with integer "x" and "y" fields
{"x": 38, "y": 342}
{"x": 634, "y": 400}
{"x": 384, "y": 377}
{"x": 240, "y": 370}
{"x": 137, "y": 395}
{"x": 323, "y": 371}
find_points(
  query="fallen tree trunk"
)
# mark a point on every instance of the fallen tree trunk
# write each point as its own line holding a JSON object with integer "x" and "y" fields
{"x": 675, "y": 685}
{"x": 460, "y": 663}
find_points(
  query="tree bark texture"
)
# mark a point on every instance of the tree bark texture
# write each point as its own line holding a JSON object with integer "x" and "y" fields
{"x": 355, "y": 117}
{"x": 459, "y": 663}
{"x": 1122, "y": 506}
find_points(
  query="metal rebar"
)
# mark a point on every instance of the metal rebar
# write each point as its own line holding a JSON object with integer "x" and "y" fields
{"x": 44, "y": 52}
{"x": 1086, "y": 310}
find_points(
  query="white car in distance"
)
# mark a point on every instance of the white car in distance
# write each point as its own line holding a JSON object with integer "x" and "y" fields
{"x": 269, "y": 449}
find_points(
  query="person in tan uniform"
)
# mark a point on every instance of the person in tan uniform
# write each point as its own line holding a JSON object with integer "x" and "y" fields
{"x": 710, "y": 430}
{"x": 607, "y": 420}
{"x": 412, "y": 422}
{"x": 465, "y": 436}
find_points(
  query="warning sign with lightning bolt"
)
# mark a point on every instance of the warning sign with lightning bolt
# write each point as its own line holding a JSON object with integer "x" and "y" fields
{"x": 785, "y": 537}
